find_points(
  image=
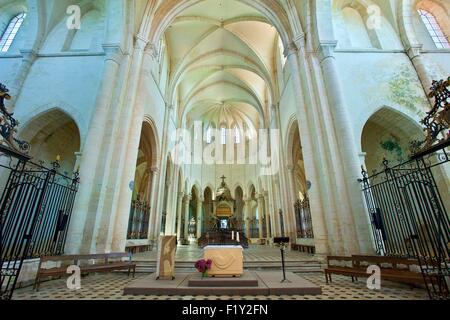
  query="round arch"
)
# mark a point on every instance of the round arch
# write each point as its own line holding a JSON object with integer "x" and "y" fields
{"x": 50, "y": 134}
{"x": 387, "y": 134}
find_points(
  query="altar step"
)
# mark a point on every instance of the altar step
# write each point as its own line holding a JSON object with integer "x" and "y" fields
{"x": 251, "y": 283}
{"x": 292, "y": 266}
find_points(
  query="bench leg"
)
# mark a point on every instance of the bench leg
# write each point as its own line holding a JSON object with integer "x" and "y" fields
{"x": 353, "y": 279}
{"x": 326, "y": 278}
{"x": 37, "y": 283}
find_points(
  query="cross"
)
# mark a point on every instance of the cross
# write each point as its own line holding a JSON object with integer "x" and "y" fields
{"x": 223, "y": 178}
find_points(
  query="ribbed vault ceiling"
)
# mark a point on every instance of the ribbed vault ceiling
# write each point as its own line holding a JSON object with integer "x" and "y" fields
{"x": 222, "y": 63}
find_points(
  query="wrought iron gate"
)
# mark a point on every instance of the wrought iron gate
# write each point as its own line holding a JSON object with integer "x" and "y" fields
{"x": 409, "y": 218}
{"x": 408, "y": 213}
{"x": 303, "y": 218}
{"x": 35, "y": 208}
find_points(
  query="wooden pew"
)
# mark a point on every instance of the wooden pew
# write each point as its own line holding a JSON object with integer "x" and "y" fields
{"x": 392, "y": 268}
{"x": 105, "y": 265}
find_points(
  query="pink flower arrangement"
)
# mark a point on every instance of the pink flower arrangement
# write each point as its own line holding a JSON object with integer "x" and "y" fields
{"x": 203, "y": 266}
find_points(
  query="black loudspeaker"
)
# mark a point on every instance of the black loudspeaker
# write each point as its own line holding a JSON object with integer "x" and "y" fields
{"x": 281, "y": 240}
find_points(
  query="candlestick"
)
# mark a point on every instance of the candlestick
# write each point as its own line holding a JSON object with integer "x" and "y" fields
{"x": 232, "y": 235}
{"x": 237, "y": 237}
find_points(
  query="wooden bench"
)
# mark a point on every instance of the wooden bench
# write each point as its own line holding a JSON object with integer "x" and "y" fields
{"x": 105, "y": 265}
{"x": 392, "y": 268}
{"x": 303, "y": 248}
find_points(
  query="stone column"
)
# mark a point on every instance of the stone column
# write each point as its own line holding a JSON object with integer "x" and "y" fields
{"x": 133, "y": 125}
{"x": 180, "y": 215}
{"x": 247, "y": 217}
{"x": 163, "y": 160}
{"x": 414, "y": 53}
{"x": 28, "y": 57}
{"x": 260, "y": 215}
{"x": 89, "y": 160}
{"x": 187, "y": 199}
{"x": 355, "y": 223}
{"x": 266, "y": 205}
{"x": 153, "y": 199}
{"x": 322, "y": 205}
{"x": 199, "y": 218}
{"x": 293, "y": 194}
{"x": 78, "y": 155}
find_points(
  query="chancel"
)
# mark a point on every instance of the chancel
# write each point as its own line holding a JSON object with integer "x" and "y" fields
{"x": 156, "y": 135}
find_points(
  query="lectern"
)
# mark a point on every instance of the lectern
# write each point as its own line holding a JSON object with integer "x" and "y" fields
{"x": 283, "y": 242}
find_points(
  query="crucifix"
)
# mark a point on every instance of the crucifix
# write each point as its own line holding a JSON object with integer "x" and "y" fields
{"x": 223, "y": 180}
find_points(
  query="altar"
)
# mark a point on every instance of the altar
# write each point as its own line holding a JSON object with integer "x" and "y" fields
{"x": 227, "y": 261}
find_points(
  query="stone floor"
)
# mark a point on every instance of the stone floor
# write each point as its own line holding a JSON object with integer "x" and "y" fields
{"x": 253, "y": 254}
{"x": 110, "y": 287}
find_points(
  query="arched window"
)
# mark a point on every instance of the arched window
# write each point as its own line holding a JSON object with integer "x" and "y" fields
{"x": 11, "y": 32}
{"x": 434, "y": 29}
{"x": 223, "y": 135}
{"x": 237, "y": 135}
{"x": 208, "y": 135}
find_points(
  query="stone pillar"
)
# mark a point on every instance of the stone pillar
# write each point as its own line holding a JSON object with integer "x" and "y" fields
{"x": 266, "y": 205}
{"x": 199, "y": 218}
{"x": 78, "y": 155}
{"x": 153, "y": 199}
{"x": 76, "y": 242}
{"x": 247, "y": 217}
{"x": 260, "y": 215}
{"x": 171, "y": 227}
{"x": 163, "y": 160}
{"x": 187, "y": 199}
{"x": 133, "y": 122}
{"x": 414, "y": 53}
{"x": 28, "y": 57}
{"x": 322, "y": 204}
{"x": 180, "y": 215}
{"x": 294, "y": 196}
{"x": 355, "y": 222}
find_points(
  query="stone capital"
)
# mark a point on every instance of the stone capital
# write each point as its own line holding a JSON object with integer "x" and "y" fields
{"x": 180, "y": 195}
{"x": 187, "y": 198}
{"x": 300, "y": 41}
{"x": 414, "y": 51}
{"x": 154, "y": 170}
{"x": 169, "y": 106}
{"x": 113, "y": 52}
{"x": 140, "y": 42}
{"x": 326, "y": 49}
{"x": 275, "y": 106}
{"x": 290, "y": 49}
{"x": 28, "y": 54}
{"x": 152, "y": 50}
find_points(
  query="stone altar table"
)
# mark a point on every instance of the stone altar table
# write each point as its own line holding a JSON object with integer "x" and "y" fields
{"x": 227, "y": 261}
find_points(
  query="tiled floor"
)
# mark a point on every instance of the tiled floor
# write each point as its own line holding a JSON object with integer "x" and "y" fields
{"x": 110, "y": 287}
{"x": 252, "y": 254}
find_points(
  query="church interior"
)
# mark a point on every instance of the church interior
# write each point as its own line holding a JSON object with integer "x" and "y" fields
{"x": 214, "y": 149}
